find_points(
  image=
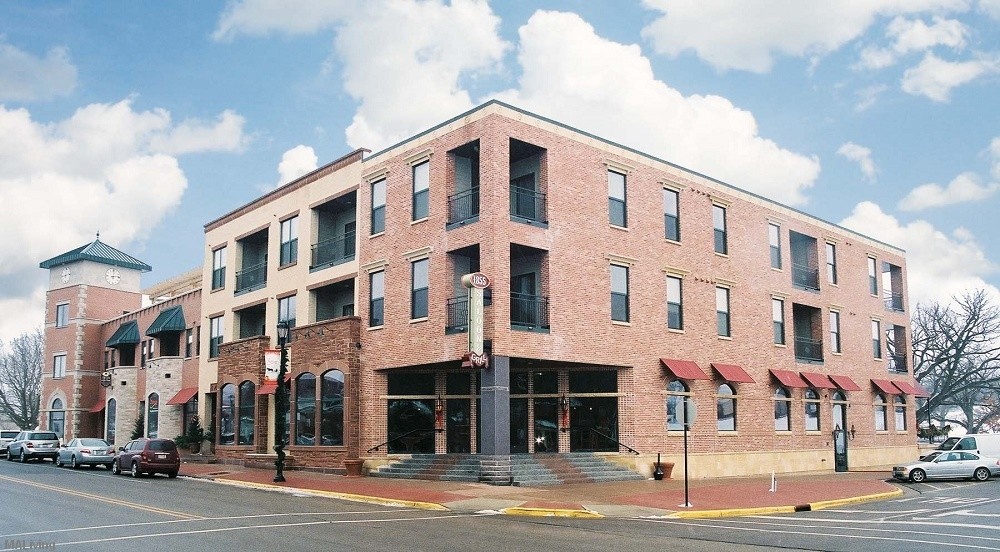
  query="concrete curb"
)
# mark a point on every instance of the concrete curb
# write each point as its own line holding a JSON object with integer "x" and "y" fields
{"x": 856, "y": 500}
{"x": 550, "y": 512}
{"x": 737, "y": 512}
{"x": 333, "y": 494}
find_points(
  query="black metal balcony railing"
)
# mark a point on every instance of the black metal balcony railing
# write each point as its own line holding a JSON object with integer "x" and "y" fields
{"x": 527, "y": 204}
{"x": 529, "y": 310}
{"x": 897, "y": 364}
{"x": 463, "y": 205}
{"x": 333, "y": 251}
{"x": 808, "y": 349}
{"x": 251, "y": 277}
{"x": 457, "y": 309}
{"x": 893, "y": 301}
{"x": 805, "y": 277}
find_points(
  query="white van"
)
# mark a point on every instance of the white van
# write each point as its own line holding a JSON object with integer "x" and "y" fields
{"x": 983, "y": 444}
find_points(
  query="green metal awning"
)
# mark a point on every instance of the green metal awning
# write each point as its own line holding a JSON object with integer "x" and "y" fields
{"x": 169, "y": 320}
{"x": 126, "y": 334}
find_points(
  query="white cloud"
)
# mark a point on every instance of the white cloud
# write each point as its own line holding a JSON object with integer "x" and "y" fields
{"x": 25, "y": 78}
{"x": 868, "y": 96}
{"x": 261, "y": 17}
{"x": 963, "y": 188}
{"x": 862, "y": 156}
{"x": 995, "y": 153}
{"x": 751, "y": 37}
{"x": 990, "y": 8}
{"x": 935, "y": 77}
{"x": 296, "y": 162}
{"x": 914, "y": 36}
{"x": 574, "y": 76}
{"x": 193, "y": 135}
{"x": 938, "y": 265}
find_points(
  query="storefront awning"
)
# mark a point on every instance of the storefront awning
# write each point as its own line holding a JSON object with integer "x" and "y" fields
{"x": 126, "y": 334}
{"x": 732, "y": 373}
{"x": 911, "y": 388}
{"x": 183, "y": 396}
{"x": 169, "y": 320}
{"x": 789, "y": 378}
{"x": 97, "y": 407}
{"x": 845, "y": 383}
{"x": 886, "y": 386}
{"x": 684, "y": 369}
{"x": 269, "y": 386}
{"x": 818, "y": 381}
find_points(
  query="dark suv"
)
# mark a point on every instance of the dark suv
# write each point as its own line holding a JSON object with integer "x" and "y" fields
{"x": 143, "y": 456}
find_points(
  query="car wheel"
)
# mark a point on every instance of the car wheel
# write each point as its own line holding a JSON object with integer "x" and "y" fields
{"x": 917, "y": 475}
{"x": 110, "y": 466}
{"x": 172, "y": 474}
{"x": 116, "y": 469}
{"x": 24, "y": 457}
{"x": 981, "y": 474}
{"x": 10, "y": 458}
{"x": 59, "y": 462}
{"x": 135, "y": 469}
{"x": 72, "y": 462}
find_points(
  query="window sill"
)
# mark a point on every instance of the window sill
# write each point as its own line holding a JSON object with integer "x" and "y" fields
{"x": 834, "y": 284}
{"x": 376, "y": 234}
{"x": 781, "y": 345}
{"x": 723, "y": 255}
{"x": 616, "y": 227}
{"x": 777, "y": 269}
{"x": 223, "y": 288}
{"x": 674, "y": 242}
{"x": 287, "y": 265}
{"x": 373, "y": 328}
{"x": 620, "y": 323}
{"x": 419, "y": 220}
{"x": 836, "y": 353}
{"x": 675, "y": 330}
{"x": 783, "y": 432}
{"x": 418, "y": 320}
{"x": 728, "y": 433}
{"x": 902, "y": 432}
{"x": 726, "y": 337}
{"x": 881, "y": 432}
{"x": 813, "y": 432}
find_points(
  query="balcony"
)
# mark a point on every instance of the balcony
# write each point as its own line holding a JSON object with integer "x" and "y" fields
{"x": 897, "y": 364}
{"x": 808, "y": 350}
{"x": 529, "y": 312}
{"x": 463, "y": 207}
{"x": 457, "y": 312}
{"x": 805, "y": 277}
{"x": 333, "y": 251}
{"x": 527, "y": 205}
{"x": 251, "y": 278}
{"x": 893, "y": 301}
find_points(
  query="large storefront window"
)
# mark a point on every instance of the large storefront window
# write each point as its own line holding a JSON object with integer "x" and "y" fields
{"x": 331, "y": 422}
{"x": 227, "y": 413}
{"x": 410, "y": 421}
{"x": 112, "y": 412}
{"x": 57, "y": 418}
{"x": 593, "y": 411}
{"x": 246, "y": 413}
{"x": 305, "y": 410}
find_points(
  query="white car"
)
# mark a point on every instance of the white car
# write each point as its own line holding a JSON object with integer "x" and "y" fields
{"x": 7, "y": 437}
{"x": 949, "y": 464}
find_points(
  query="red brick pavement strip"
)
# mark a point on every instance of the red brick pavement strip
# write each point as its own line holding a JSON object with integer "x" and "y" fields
{"x": 737, "y": 495}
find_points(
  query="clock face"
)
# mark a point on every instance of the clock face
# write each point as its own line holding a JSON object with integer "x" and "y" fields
{"x": 65, "y": 274}
{"x": 113, "y": 276}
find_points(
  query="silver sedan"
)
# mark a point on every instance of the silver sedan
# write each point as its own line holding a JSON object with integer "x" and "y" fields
{"x": 86, "y": 452}
{"x": 949, "y": 464}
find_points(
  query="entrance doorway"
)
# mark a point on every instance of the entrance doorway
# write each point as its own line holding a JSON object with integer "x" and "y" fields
{"x": 840, "y": 431}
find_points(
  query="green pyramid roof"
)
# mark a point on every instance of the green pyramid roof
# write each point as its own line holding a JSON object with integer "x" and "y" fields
{"x": 98, "y": 252}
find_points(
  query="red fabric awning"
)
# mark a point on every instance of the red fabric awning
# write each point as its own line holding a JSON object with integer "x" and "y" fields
{"x": 684, "y": 369}
{"x": 267, "y": 388}
{"x": 845, "y": 383}
{"x": 819, "y": 381}
{"x": 183, "y": 396}
{"x": 732, "y": 373}
{"x": 911, "y": 388}
{"x": 886, "y": 386}
{"x": 97, "y": 407}
{"x": 789, "y": 378}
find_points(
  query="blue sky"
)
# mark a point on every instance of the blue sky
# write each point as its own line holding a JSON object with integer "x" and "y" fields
{"x": 146, "y": 120}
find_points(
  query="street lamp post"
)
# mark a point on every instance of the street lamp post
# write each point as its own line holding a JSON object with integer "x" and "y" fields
{"x": 281, "y": 405}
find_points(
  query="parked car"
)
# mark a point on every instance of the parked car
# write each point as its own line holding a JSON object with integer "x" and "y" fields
{"x": 7, "y": 436}
{"x": 28, "y": 445}
{"x": 983, "y": 444}
{"x": 151, "y": 456}
{"x": 86, "y": 452}
{"x": 949, "y": 464}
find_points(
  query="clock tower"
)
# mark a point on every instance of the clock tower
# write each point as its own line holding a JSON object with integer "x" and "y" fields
{"x": 87, "y": 286}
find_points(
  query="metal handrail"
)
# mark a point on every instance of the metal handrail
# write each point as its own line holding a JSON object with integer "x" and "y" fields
{"x": 398, "y": 437}
{"x": 463, "y": 205}
{"x": 251, "y": 276}
{"x": 808, "y": 349}
{"x": 805, "y": 276}
{"x": 333, "y": 250}
{"x": 613, "y": 440}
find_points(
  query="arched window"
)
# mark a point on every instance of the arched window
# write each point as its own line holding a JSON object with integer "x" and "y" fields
{"x": 153, "y": 415}
{"x": 677, "y": 394}
{"x": 725, "y": 408}
{"x": 246, "y": 413}
{"x": 838, "y": 410}
{"x": 112, "y": 412}
{"x": 782, "y": 410}
{"x": 881, "y": 421}
{"x": 900, "y": 403}
{"x": 332, "y": 421}
{"x": 305, "y": 409}
{"x": 811, "y": 403}
{"x": 227, "y": 414}
{"x": 57, "y": 418}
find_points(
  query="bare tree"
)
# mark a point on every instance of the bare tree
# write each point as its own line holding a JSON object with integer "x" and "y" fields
{"x": 21, "y": 379}
{"x": 956, "y": 352}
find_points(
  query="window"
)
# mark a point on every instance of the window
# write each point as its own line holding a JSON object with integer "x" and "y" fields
{"x": 246, "y": 413}
{"x": 774, "y": 237}
{"x": 378, "y": 206}
{"x": 62, "y": 315}
{"x": 215, "y": 338}
{"x": 227, "y": 414}
{"x": 675, "y": 305}
{"x": 872, "y": 277}
{"x": 719, "y": 223}
{"x": 289, "y": 241}
{"x": 421, "y": 190}
{"x": 153, "y": 416}
{"x": 57, "y": 418}
{"x": 189, "y": 342}
{"x": 900, "y": 404}
{"x": 305, "y": 410}
{"x": 876, "y": 339}
{"x": 671, "y": 215}
{"x": 219, "y": 268}
{"x": 112, "y": 417}
{"x": 811, "y": 403}
{"x": 619, "y": 293}
{"x": 286, "y": 310}
{"x": 677, "y": 396}
{"x": 59, "y": 366}
{"x": 617, "y": 208}
{"x": 722, "y": 311}
{"x": 782, "y": 410}
{"x": 831, "y": 263}
{"x": 835, "y": 331}
{"x": 725, "y": 408}
{"x": 778, "y": 318}
{"x": 880, "y": 413}
{"x": 418, "y": 291}
{"x": 376, "y": 304}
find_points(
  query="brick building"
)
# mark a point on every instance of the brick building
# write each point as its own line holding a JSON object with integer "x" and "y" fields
{"x": 622, "y": 288}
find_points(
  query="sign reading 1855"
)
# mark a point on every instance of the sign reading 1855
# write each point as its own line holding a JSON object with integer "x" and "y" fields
{"x": 476, "y": 280}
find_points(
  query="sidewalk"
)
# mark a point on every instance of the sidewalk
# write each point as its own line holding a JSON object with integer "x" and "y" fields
{"x": 721, "y": 497}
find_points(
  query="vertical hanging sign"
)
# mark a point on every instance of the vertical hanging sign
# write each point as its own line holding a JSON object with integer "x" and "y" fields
{"x": 476, "y": 283}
